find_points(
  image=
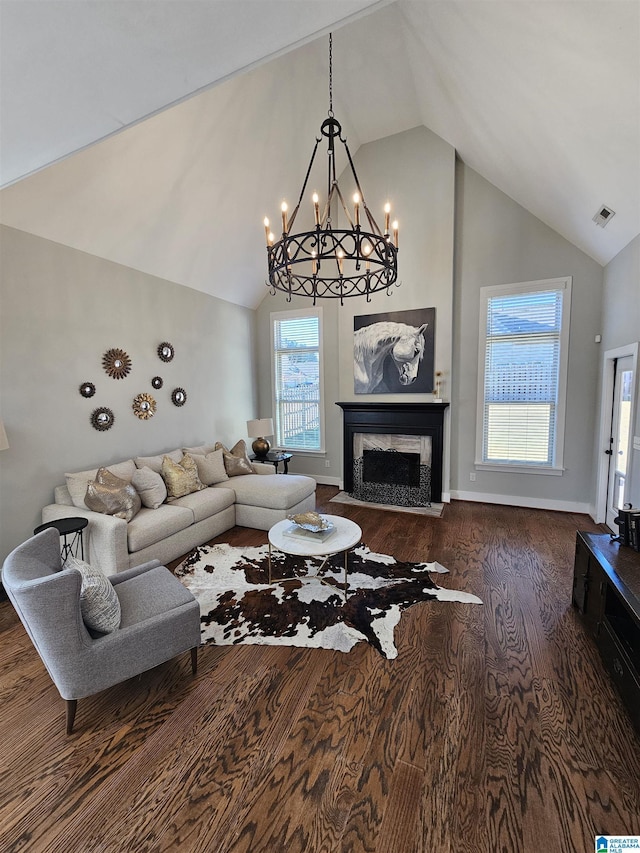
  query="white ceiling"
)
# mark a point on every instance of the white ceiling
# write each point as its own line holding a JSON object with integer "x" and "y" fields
{"x": 540, "y": 97}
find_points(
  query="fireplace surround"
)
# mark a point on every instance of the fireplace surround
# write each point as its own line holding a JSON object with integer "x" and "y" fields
{"x": 395, "y": 419}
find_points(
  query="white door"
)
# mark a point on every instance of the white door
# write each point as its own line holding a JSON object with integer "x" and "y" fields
{"x": 620, "y": 437}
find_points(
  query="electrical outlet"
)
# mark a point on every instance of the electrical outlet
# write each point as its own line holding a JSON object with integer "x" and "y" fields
{"x": 327, "y": 463}
{"x": 472, "y": 476}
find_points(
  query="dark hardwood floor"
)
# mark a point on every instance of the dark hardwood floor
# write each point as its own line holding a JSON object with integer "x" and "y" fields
{"x": 495, "y": 729}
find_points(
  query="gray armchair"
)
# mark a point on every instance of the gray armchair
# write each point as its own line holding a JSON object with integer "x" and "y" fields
{"x": 160, "y": 619}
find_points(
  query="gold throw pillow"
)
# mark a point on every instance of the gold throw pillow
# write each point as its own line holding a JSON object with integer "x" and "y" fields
{"x": 181, "y": 478}
{"x": 236, "y": 461}
{"x": 110, "y": 495}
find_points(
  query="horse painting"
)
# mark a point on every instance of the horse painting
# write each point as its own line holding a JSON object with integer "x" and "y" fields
{"x": 374, "y": 343}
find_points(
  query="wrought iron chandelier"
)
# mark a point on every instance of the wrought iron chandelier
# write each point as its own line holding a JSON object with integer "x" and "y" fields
{"x": 330, "y": 262}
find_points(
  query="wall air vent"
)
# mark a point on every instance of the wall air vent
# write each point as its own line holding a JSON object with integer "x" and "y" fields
{"x": 603, "y": 215}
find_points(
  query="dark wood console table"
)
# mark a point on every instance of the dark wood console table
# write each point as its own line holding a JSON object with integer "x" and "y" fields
{"x": 606, "y": 593}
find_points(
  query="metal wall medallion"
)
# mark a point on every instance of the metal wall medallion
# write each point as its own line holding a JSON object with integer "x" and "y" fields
{"x": 157, "y": 382}
{"x": 116, "y": 363}
{"x": 87, "y": 389}
{"x": 102, "y": 419}
{"x": 165, "y": 351}
{"x": 178, "y": 396}
{"x": 144, "y": 406}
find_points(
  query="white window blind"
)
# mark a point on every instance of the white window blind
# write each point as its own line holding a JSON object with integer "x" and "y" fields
{"x": 297, "y": 379}
{"x": 524, "y": 373}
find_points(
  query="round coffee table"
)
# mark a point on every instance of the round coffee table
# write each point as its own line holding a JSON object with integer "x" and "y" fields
{"x": 345, "y": 536}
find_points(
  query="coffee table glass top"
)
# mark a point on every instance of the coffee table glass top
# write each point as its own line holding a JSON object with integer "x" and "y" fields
{"x": 345, "y": 536}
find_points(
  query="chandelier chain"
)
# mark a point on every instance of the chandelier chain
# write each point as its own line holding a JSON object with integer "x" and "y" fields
{"x": 331, "y": 74}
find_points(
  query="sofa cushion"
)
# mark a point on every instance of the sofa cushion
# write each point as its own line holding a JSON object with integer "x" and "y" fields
{"x": 206, "y": 503}
{"x": 211, "y": 468}
{"x": 77, "y": 482}
{"x": 152, "y": 525}
{"x": 236, "y": 461}
{"x": 150, "y": 486}
{"x": 110, "y": 495}
{"x": 273, "y": 491}
{"x": 150, "y": 594}
{"x": 99, "y": 604}
{"x": 155, "y": 462}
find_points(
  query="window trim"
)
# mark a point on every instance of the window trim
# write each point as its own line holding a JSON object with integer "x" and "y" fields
{"x": 287, "y": 315}
{"x": 563, "y": 284}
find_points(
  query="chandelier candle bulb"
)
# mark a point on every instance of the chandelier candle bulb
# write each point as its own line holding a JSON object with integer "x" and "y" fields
{"x": 270, "y": 238}
{"x": 316, "y": 208}
{"x": 340, "y": 260}
{"x": 266, "y": 230}
{"x": 387, "y": 211}
{"x": 356, "y": 208}
{"x": 395, "y": 232}
{"x": 284, "y": 209}
{"x": 314, "y": 263}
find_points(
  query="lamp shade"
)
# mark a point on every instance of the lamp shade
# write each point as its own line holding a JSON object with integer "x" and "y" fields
{"x": 4, "y": 442}
{"x": 260, "y": 427}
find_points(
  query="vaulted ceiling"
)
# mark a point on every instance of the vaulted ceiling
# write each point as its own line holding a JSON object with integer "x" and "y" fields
{"x": 158, "y": 134}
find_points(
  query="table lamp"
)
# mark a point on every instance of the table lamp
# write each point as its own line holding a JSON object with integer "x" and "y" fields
{"x": 257, "y": 430}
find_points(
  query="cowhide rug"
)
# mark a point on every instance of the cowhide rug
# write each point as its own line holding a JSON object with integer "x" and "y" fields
{"x": 238, "y": 605}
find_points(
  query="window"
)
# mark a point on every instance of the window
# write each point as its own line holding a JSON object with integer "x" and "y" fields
{"x": 524, "y": 338}
{"x": 297, "y": 379}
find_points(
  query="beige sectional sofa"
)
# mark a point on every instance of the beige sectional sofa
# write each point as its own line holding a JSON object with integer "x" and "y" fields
{"x": 175, "y": 526}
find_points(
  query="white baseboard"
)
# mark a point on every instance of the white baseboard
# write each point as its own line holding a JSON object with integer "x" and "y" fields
{"x": 327, "y": 481}
{"x": 531, "y": 503}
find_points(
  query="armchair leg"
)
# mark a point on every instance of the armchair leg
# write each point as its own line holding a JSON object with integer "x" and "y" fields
{"x": 194, "y": 660}
{"x": 72, "y": 704}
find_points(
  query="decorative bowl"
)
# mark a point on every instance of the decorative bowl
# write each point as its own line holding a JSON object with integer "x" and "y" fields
{"x": 310, "y": 521}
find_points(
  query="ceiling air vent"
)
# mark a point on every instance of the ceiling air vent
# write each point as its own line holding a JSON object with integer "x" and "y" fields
{"x": 603, "y": 215}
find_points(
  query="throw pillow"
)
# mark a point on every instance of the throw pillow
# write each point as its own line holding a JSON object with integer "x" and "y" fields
{"x": 99, "y": 603}
{"x": 236, "y": 461}
{"x": 77, "y": 482}
{"x": 181, "y": 478}
{"x": 155, "y": 462}
{"x": 201, "y": 449}
{"x": 150, "y": 486}
{"x": 110, "y": 495}
{"x": 211, "y": 468}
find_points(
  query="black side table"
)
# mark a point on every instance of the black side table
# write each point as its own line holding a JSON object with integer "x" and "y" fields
{"x": 71, "y": 527}
{"x": 275, "y": 457}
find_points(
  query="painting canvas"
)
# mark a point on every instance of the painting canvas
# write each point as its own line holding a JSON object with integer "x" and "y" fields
{"x": 393, "y": 352}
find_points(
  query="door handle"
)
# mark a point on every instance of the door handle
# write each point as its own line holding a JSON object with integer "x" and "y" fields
{"x": 609, "y": 452}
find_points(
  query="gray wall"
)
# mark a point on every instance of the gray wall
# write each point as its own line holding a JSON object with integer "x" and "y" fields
{"x": 413, "y": 170}
{"x": 60, "y": 311}
{"x": 499, "y": 242}
{"x": 621, "y": 326}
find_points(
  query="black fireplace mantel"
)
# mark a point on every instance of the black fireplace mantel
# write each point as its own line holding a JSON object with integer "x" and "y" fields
{"x": 398, "y": 419}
